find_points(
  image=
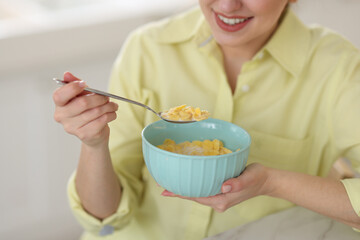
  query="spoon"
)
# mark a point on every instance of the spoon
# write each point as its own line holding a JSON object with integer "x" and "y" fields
{"x": 62, "y": 82}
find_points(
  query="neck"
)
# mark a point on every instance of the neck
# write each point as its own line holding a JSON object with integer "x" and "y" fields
{"x": 247, "y": 50}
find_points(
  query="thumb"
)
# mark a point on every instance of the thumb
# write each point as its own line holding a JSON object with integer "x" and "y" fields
{"x": 238, "y": 183}
{"x": 232, "y": 185}
{"x": 252, "y": 175}
{"x": 69, "y": 77}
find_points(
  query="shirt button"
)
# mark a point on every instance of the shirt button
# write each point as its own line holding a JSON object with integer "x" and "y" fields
{"x": 106, "y": 230}
{"x": 260, "y": 55}
{"x": 245, "y": 88}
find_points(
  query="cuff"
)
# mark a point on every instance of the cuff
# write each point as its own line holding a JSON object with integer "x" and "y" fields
{"x": 93, "y": 225}
{"x": 352, "y": 186}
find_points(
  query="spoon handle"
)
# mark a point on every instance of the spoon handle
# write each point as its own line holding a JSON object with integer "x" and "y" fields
{"x": 62, "y": 82}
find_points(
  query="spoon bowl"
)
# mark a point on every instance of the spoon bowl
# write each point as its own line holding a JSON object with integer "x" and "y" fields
{"x": 159, "y": 114}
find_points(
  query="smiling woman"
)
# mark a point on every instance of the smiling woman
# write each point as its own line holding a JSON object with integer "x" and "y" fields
{"x": 299, "y": 114}
{"x": 38, "y": 157}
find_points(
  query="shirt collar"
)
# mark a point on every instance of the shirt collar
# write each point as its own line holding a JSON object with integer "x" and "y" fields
{"x": 177, "y": 30}
{"x": 290, "y": 43}
{"x": 292, "y": 38}
{"x": 190, "y": 26}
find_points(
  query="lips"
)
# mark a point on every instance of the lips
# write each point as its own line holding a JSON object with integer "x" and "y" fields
{"x": 233, "y": 23}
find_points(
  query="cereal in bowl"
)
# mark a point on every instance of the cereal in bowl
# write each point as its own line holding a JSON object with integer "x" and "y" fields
{"x": 199, "y": 148}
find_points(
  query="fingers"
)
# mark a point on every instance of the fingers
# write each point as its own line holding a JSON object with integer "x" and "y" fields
{"x": 167, "y": 193}
{"x": 232, "y": 185}
{"x": 235, "y": 190}
{"x": 219, "y": 202}
{"x": 235, "y": 184}
{"x": 95, "y": 113}
{"x": 83, "y": 114}
{"x": 94, "y": 129}
{"x": 100, "y": 115}
{"x": 226, "y": 188}
{"x": 64, "y": 94}
{"x": 91, "y": 126}
{"x": 80, "y": 104}
{"x": 252, "y": 177}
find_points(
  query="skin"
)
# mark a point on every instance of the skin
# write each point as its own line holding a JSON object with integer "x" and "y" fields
{"x": 87, "y": 116}
{"x": 239, "y": 47}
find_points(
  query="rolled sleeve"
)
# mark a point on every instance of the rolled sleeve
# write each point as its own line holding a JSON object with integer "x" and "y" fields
{"x": 93, "y": 225}
{"x": 352, "y": 187}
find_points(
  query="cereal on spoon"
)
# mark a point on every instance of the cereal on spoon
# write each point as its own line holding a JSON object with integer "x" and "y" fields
{"x": 185, "y": 113}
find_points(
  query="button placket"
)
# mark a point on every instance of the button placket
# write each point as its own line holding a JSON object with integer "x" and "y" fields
{"x": 243, "y": 81}
{"x": 223, "y": 108}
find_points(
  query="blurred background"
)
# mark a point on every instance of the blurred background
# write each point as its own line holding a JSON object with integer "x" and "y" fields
{"x": 39, "y": 40}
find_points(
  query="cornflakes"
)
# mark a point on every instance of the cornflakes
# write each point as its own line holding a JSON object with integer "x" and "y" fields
{"x": 199, "y": 148}
{"x": 185, "y": 113}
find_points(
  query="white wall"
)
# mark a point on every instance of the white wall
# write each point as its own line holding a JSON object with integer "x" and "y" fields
{"x": 36, "y": 156}
{"x": 340, "y": 15}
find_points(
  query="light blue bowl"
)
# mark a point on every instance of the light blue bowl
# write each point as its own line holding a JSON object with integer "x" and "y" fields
{"x": 194, "y": 176}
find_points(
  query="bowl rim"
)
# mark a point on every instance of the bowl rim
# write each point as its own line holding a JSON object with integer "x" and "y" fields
{"x": 196, "y": 156}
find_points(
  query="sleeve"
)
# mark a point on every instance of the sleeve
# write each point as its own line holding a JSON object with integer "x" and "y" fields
{"x": 346, "y": 120}
{"x": 92, "y": 224}
{"x": 346, "y": 112}
{"x": 125, "y": 141}
{"x": 352, "y": 187}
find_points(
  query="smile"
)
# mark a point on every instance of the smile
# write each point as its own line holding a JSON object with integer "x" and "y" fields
{"x": 232, "y": 21}
{"x": 232, "y": 24}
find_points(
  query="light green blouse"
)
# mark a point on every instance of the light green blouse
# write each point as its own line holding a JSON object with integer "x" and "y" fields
{"x": 299, "y": 98}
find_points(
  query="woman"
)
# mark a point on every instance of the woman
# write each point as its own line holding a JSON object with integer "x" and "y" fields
{"x": 295, "y": 89}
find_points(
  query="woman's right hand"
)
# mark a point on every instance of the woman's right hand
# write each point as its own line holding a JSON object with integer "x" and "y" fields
{"x": 85, "y": 115}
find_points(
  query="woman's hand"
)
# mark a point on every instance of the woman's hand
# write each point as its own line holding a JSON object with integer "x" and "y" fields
{"x": 85, "y": 115}
{"x": 252, "y": 182}
{"x": 322, "y": 195}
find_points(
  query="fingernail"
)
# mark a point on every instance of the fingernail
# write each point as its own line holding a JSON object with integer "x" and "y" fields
{"x": 82, "y": 84}
{"x": 226, "y": 189}
{"x": 167, "y": 194}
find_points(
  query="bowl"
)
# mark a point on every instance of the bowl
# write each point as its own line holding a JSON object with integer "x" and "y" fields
{"x": 194, "y": 176}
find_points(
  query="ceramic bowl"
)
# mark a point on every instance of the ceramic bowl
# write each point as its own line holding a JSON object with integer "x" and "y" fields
{"x": 194, "y": 176}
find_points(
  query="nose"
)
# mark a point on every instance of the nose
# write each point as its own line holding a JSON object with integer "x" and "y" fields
{"x": 230, "y": 5}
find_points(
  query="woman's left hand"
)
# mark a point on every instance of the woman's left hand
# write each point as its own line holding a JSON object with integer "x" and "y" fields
{"x": 252, "y": 182}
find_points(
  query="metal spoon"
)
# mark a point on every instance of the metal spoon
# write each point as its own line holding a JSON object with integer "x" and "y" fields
{"x": 62, "y": 82}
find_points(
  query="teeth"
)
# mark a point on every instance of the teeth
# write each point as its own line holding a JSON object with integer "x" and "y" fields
{"x": 232, "y": 21}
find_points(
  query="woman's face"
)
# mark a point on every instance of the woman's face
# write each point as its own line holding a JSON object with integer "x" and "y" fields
{"x": 242, "y": 22}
